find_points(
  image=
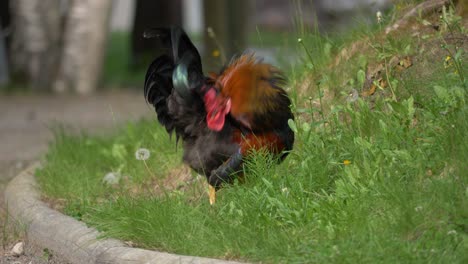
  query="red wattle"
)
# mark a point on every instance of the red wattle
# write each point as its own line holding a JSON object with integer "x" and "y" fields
{"x": 216, "y": 109}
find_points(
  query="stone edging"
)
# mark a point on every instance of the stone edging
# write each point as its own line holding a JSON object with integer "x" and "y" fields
{"x": 71, "y": 239}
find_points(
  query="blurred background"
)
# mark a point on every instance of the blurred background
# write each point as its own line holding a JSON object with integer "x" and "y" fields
{"x": 83, "y": 46}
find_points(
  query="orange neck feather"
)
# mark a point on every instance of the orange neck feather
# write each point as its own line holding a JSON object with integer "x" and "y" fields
{"x": 246, "y": 82}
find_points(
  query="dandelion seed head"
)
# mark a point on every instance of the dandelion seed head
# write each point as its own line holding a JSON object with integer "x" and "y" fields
{"x": 336, "y": 249}
{"x": 112, "y": 178}
{"x": 142, "y": 154}
{"x": 210, "y": 31}
{"x": 353, "y": 96}
{"x": 299, "y": 40}
{"x": 379, "y": 16}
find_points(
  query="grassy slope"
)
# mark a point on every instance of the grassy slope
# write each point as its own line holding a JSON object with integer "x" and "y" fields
{"x": 402, "y": 198}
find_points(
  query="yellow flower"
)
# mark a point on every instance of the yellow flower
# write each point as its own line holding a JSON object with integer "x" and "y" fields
{"x": 215, "y": 53}
{"x": 448, "y": 62}
{"x": 346, "y": 162}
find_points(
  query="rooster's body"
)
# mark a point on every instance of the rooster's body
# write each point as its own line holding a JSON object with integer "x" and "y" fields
{"x": 220, "y": 118}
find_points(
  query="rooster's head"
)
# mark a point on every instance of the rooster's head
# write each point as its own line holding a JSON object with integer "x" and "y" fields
{"x": 217, "y": 107}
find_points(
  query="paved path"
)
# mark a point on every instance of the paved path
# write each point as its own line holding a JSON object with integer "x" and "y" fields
{"x": 25, "y": 123}
{"x": 25, "y": 120}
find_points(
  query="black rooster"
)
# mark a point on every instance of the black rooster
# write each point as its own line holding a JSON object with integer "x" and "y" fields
{"x": 222, "y": 117}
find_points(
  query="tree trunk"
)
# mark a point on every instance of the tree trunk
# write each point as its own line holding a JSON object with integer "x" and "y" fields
{"x": 84, "y": 46}
{"x": 35, "y": 41}
{"x": 4, "y": 71}
{"x": 149, "y": 14}
{"x": 5, "y": 20}
{"x": 94, "y": 52}
{"x": 225, "y": 31}
{"x": 4, "y": 41}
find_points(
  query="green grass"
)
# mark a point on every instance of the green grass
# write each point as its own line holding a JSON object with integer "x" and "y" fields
{"x": 383, "y": 179}
{"x": 76, "y": 165}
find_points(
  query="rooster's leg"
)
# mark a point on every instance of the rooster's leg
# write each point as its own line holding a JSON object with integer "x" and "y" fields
{"x": 212, "y": 193}
{"x": 223, "y": 174}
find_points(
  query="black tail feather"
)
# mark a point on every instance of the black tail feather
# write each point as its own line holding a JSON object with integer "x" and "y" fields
{"x": 179, "y": 43}
{"x": 158, "y": 87}
{"x": 173, "y": 79}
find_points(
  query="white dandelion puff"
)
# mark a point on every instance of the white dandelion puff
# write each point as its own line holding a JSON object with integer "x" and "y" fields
{"x": 142, "y": 154}
{"x": 379, "y": 16}
{"x": 112, "y": 178}
{"x": 353, "y": 96}
{"x": 211, "y": 32}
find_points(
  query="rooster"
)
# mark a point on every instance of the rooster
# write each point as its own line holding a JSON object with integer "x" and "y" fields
{"x": 221, "y": 118}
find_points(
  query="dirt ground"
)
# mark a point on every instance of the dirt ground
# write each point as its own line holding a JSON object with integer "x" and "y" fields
{"x": 25, "y": 122}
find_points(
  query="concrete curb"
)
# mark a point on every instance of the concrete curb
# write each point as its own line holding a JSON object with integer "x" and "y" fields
{"x": 71, "y": 239}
